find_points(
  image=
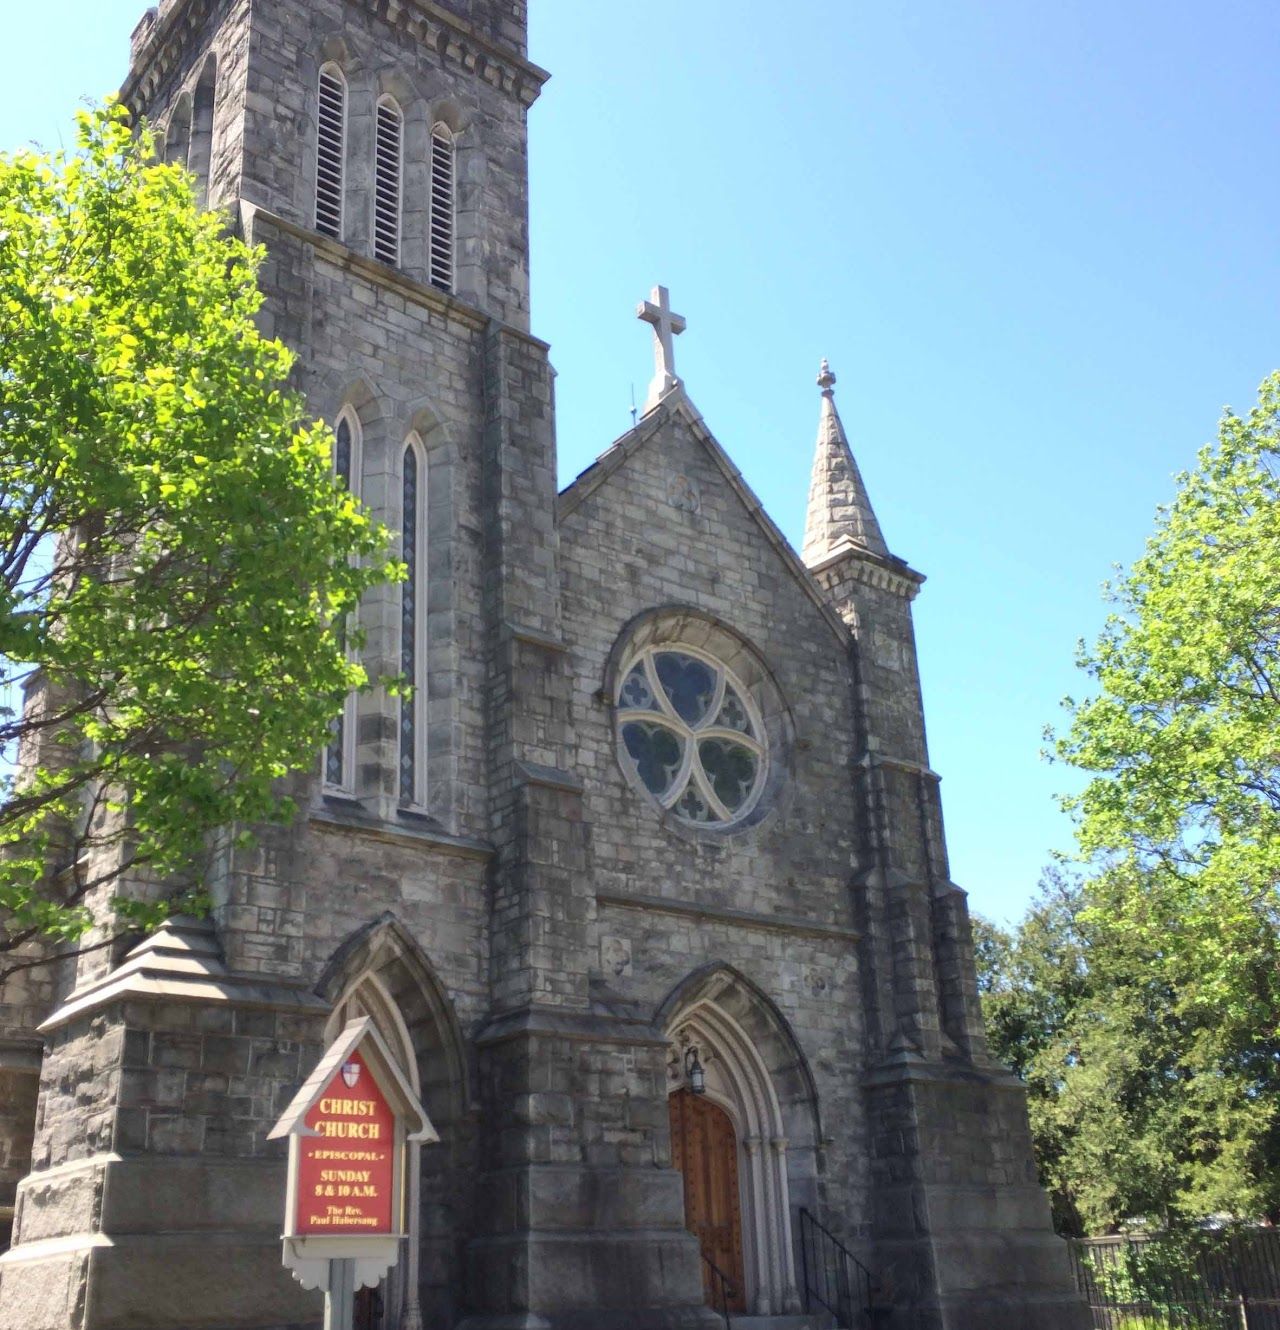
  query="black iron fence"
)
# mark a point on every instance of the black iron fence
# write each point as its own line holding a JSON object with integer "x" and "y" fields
{"x": 1212, "y": 1281}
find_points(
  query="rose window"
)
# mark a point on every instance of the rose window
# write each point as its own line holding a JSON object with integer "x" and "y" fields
{"x": 692, "y": 736}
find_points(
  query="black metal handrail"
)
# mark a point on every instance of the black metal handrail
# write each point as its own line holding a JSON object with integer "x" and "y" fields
{"x": 726, "y": 1288}
{"x": 833, "y": 1275}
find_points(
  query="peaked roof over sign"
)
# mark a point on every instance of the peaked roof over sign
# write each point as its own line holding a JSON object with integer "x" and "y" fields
{"x": 360, "y": 1035}
{"x": 840, "y": 513}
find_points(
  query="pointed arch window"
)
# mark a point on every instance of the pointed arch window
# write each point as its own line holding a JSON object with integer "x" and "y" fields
{"x": 413, "y": 622}
{"x": 388, "y": 171}
{"x": 331, "y": 151}
{"x": 339, "y": 755}
{"x": 200, "y": 157}
{"x": 443, "y": 205}
{"x": 177, "y": 138}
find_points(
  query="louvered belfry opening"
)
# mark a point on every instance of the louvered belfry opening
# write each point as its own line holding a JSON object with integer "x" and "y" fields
{"x": 330, "y": 152}
{"x": 442, "y": 207}
{"x": 388, "y": 165}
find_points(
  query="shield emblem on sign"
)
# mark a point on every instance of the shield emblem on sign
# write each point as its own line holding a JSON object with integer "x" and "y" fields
{"x": 351, "y": 1074}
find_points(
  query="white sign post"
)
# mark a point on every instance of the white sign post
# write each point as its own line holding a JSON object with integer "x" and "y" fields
{"x": 348, "y": 1128}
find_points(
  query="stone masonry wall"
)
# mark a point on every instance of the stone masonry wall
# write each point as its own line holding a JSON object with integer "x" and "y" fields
{"x": 776, "y": 899}
{"x": 960, "y": 1218}
{"x": 406, "y": 360}
{"x": 152, "y": 1129}
{"x": 19, "y": 1086}
{"x": 172, "y": 1078}
{"x": 209, "y": 39}
{"x": 431, "y": 72}
{"x": 582, "y": 1211}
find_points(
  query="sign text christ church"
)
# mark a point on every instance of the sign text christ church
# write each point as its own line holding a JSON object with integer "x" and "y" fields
{"x": 346, "y": 1170}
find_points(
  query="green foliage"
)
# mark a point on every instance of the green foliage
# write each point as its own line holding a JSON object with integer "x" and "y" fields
{"x": 1164, "y": 1318}
{"x": 1167, "y": 1277}
{"x": 1143, "y": 1106}
{"x": 174, "y": 554}
{"x": 1034, "y": 985}
{"x": 1142, "y": 1003}
{"x": 1180, "y": 738}
{"x": 1181, "y": 742}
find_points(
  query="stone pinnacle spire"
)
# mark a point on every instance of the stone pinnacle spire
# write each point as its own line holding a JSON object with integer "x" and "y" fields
{"x": 839, "y": 510}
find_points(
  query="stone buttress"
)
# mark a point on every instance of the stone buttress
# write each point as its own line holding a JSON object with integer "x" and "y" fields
{"x": 960, "y": 1228}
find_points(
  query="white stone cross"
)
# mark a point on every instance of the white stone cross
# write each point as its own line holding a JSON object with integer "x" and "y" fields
{"x": 666, "y": 327}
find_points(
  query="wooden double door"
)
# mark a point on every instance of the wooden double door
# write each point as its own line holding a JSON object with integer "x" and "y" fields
{"x": 704, "y": 1147}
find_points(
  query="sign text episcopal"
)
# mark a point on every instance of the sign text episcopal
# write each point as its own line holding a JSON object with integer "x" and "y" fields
{"x": 346, "y": 1170}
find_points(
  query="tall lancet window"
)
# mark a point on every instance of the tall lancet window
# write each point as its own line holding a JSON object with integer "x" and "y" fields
{"x": 339, "y": 756}
{"x": 177, "y": 138}
{"x": 443, "y": 205}
{"x": 331, "y": 151}
{"x": 388, "y": 167}
{"x": 200, "y": 156}
{"x": 412, "y": 622}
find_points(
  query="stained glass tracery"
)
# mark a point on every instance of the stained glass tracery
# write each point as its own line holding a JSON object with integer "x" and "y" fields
{"x": 690, "y": 733}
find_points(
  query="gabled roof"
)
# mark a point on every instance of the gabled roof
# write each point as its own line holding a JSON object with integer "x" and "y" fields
{"x": 676, "y": 403}
{"x": 360, "y": 1034}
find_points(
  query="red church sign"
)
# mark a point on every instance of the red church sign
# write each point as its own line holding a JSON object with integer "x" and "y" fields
{"x": 347, "y": 1168}
{"x": 349, "y": 1128}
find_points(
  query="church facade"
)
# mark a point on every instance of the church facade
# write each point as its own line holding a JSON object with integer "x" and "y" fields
{"x": 644, "y": 884}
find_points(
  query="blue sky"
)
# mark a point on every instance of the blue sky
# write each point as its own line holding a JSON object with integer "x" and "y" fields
{"x": 1038, "y": 243}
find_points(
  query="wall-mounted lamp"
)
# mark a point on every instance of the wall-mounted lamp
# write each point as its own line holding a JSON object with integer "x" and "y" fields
{"x": 693, "y": 1072}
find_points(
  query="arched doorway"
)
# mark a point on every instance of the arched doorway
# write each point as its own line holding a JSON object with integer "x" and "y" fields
{"x": 756, "y": 1079}
{"x": 704, "y": 1147}
{"x": 382, "y": 973}
{"x": 394, "y": 1301}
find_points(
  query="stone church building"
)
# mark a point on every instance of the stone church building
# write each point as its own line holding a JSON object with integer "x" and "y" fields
{"x": 644, "y": 884}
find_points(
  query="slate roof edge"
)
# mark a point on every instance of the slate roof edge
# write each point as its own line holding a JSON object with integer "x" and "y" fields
{"x": 677, "y": 402}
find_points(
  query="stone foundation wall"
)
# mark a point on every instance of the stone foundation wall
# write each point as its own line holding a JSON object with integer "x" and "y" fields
{"x": 962, "y": 1232}
{"x": 152, "y": 1131}
{"x": 581, "y": 1214}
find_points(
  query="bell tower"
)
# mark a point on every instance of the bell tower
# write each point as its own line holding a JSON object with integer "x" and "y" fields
{"x": 393, "y": 128}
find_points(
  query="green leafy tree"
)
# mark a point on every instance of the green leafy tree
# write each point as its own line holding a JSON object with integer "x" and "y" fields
{"x": 1182, "y": 812}
{"x": 1144, "y": 1109}
{"x": 175, "y": 556}
{"x": 1032, "y": 979}
{"x": 1181, "y": 737}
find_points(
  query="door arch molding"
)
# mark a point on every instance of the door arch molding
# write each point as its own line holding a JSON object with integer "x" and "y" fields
{"x": 381, "y": 972}
{"x": 757, "y": 1073}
